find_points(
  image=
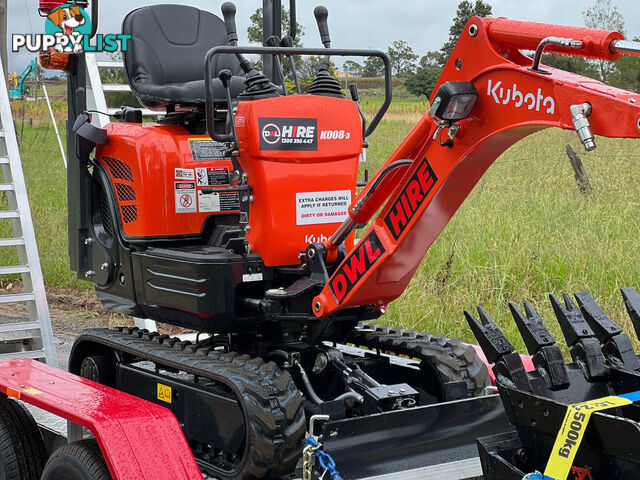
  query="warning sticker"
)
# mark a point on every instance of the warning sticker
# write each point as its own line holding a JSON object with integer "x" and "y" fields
{"x": 207, "y": 149}
{"x": 211, "y": 201}
{"x": 314, "y": 208}
{"x": 229, "y": 202}
{"x": 186, "y": 197}
{"x": 208, "y": 202}
{"x": 185, "y": 174}
{"x": 212, "y": 176}
{"x": 165, "y": 393}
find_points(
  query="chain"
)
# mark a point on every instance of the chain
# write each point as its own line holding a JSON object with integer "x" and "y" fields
{"x": 307, "y": 460}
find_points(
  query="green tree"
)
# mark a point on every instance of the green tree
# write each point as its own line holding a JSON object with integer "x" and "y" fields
{"x": 254, "y": 31}
{"x": 372, "y": 67}
{"x": 578, "y": 65}
{"x": 423, "y": 81}
{"x": 352, "y": 68}
{"x": 429, "y": 60}
{"x": 466, "y": 10}
{"x": 402, "y": 58}
{"x": 604, "y": 15}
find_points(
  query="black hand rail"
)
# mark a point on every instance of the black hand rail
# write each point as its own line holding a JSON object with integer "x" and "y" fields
{"x": 209, "y": 76}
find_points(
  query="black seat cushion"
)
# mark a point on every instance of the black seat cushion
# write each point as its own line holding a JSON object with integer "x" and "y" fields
{"x": 164, "y": 62}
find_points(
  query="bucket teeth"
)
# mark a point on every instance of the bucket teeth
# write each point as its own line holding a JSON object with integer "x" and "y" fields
{"x": 498, "y": 349}
{"x": 632, "y": 302}
{"x": 533, "y": 331}
{"x": 573, "y": 325}
{"x": 616, "y": 345}
{"x": 490, "y": 338}
{"x": 585, "y": 348}
{"x": 547, "y": 357}
{"x": 603, "y": 327}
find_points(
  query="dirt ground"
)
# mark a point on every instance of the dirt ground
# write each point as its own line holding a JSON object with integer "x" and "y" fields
{"x": 71, "y": 312}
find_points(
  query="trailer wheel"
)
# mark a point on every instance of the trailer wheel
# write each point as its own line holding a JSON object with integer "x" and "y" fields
{"x": 77, "y": 461}
{"x": 22, "y": 450}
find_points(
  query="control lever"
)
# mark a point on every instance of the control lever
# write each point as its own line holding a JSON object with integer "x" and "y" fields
{"x": 229, "y": 13}
{"x": 322, "y": 14}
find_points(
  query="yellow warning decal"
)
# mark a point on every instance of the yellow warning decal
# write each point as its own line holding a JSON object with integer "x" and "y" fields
{"x": 164, "y": 393}
{"x": 571, "y": 432}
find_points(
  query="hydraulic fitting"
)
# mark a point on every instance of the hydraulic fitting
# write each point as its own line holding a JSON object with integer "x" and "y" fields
{"x": 579, "y": 114}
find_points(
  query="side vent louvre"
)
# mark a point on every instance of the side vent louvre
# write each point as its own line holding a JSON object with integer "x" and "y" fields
{"x": 126, "y": 193}
{"x": 119, "y": 170}
{"x": 129, "y": 213}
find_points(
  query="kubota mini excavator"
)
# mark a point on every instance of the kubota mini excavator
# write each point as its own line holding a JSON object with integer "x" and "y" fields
{"x": 234, "y": 215}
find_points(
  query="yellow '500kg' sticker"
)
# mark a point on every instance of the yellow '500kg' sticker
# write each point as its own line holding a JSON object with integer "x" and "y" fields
{"x": 570, "y": 436}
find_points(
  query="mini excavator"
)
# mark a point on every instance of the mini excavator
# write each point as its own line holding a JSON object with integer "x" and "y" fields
{"x": 235, "y": 215}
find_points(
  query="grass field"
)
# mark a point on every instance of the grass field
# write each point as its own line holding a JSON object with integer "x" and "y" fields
{"x": 525, "y": 231}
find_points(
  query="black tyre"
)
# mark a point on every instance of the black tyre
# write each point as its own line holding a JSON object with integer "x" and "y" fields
{"x": 77, "y": 461}
{"x": 22, "y": 450}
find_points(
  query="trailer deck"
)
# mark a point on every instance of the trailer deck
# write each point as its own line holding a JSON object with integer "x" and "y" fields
{"x": 139, "y": 439}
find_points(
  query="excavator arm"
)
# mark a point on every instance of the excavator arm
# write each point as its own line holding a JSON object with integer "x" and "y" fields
{"x": 516, "y": 96}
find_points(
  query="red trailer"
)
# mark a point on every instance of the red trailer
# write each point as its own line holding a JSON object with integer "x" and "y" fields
{"x": 138, "y": 439}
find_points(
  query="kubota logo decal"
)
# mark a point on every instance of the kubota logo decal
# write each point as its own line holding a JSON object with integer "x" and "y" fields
{"x": 412, "y": 197}
{"x": 355, "y": 266}
{"x": 315, "y": 238}
{"x": 513, "y": 95}
{"x": 296, "y": 134}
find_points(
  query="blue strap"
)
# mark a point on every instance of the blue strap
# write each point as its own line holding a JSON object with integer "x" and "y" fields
{"x": 633, "y": 396}
{"x": 324, "y": 459}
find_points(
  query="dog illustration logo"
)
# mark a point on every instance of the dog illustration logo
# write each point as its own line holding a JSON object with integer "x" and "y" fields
{"x": 68, "y": 29}
{"x": 70, "y": 21}
{"x": 67, "y": 19}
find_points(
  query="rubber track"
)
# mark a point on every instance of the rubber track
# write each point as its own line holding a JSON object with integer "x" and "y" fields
{"x": 453, "y": 360}
{"x": 272, "y": 401}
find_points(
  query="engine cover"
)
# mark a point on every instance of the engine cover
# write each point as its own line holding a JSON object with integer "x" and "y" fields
{"x": 166, "y": 180}
{"x": 301, "y": 154}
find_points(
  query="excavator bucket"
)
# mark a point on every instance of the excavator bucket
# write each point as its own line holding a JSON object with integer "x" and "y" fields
{"x": 573, "y": 421}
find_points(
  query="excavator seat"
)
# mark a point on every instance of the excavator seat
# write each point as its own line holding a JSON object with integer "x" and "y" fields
{"x": 164, "y": 62}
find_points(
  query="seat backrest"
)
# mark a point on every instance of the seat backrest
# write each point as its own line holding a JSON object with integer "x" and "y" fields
{"x": 168, "y": 47}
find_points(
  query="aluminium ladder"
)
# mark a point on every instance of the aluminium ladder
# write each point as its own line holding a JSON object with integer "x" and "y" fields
{"x": 21, "y": 338}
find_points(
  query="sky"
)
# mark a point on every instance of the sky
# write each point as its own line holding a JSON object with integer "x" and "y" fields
{"x": 423, "y": 24}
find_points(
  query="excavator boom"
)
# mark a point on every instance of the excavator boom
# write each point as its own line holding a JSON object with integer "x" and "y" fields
{"x": 516, "y": 96}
